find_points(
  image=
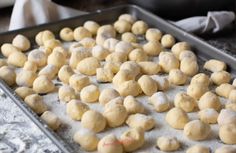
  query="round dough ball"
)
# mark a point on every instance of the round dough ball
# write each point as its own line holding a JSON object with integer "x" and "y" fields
{"x": 66, "y": 93}
{"x": 122, "y": 26}
{"x": 100, "y": 52}
{"x": 56, "y": 58}
{"x": 177, "y": 118}
{"x": 38, "y": 57}
{"x": 65, "y": 73}
{"x": 180, "y": 47}
{"x": 231, "y": 105}
{"x": 87, "y": 139}
{"x": 124, "y": 47}
{"x": 208, "y": 115}
{"x": 131, "y": 66}
{"x": 104, "y": 75}
{"x": 140, "y": 121}
{"x": 198, "y": 149}
{"x": 118, "y": 57}
{"x": 35, "y": 102}
{"x": 30, "y": 66}
{"x": 232, "y": 96}
{"x": 110, "y": 44}
{"x": 25, "y": 78}
{"x": 189, "y": 67}
{"x": 130, "y": 87}
{"x": 226, "y": 149}
{"x": 92, "y": 27}
{"x": 132, "y": 139}
{"x": 224, "y": 90}
{"x": 78, "y": 55}
{"x": 168, "y": 144}
{"x": 24, "y": 91}
{"x": 118, "y": 100}
{"x": 106, "y": 31}
{"x": 197, "y": 130}
{"x": 78, "y": 82}
{"x": 62, "y": 50}
{"x": 220, "y": 77}
{"x": 163, "y": 83}
{"x": 127, "y": 17}
{"x": 227, "y": 133}
{"x": 209, "y": 100}
{"x": 138, "y": 55}
{"x": 75, "y": 46}
{"x": 43, "y": 36}
{"x": 177, "y": 77}
{"x": 49, "y": 71}
{"x": 128, "y": 37}
{"x": 75, "y": 109}
{"x": 67, "y": 34}
{"x": 17, "y": 59}
{"x": 167, "y": 41}
{"x": 139, "y": 27}
{"x": 88, "y": 42}
{"x": 185, "y": 102}
{"x": 8, "y": 75}
{"x": 133, "y": 106}
{"x": 110, "y": 144}
{"x": 149, "y": 68}
{"x": 147, "y": 84}
{"x": 21, "y": 42}
{"x": 152, "y": 48}
{"x": 113, "y": 66}
{"x": 200, "y": 78}
{"x": 93, "y": 120}
{"x": 196, "y": 90}
{"x": 88, "y": 66}
{"x": 168, "y": 61}
{"x": 3, "y": 62}
{"x": 160, "y": 101}
{"x": 187, "y": 54}
{"x": 214, "y": 65}
{"x": 7, "y": 49}
{"x": 80, "y": 33}
{"x": 153, "y": 34}
{"x": 107, "y": 95}
{"x": 43, "y": 85}
{"x": 226, "y": 116}
{"x": 51, "y": 120}
{"x": 52, "y": 43}
{"x": 122, "y": 76}
{"x": 90, "y": 94}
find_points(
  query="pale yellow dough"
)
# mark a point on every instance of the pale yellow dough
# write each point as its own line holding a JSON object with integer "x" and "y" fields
{"x": 150, "y": 68}
{"x": 133, "y": 106}
{"x": 38, "y": 57}
{"x": 80, "y": 33}
{"x": 49, "y": 71}
{"x": 168, "y": 61}
{"x": 122, "y": 26}
{"x": 185, "y": 102}
{"x": 21, "y": 42}
{"x": 36, "y": 103}
{"x": 127, "y": 17}
{"x": 77, "y": 55}
{"x": 51, "y": 120}
{"x": 224, "y": 90}
{"x": 167, "y": 41}
{"x": 17, "y": 59}
{"x": 214, "y": 65}
{"x": 138, "y": 55}
{"x": 209, "y": 100}
{"x": 67, "y": 34}
{"x": 75, "y": 109}
{"x": 24, "y": 91}
{"x": 177, "y": 77}
{"x": 227, "y": 133}
{"x": 180, "y": 47}
{"x": 147, "y": 84}
{"x": 100, "y": 52}
{"x": 220, "y": 77}
{"x": 152, "y": 48}
{"x": 160, "y": 101}
{"x": 8, "y": 75}
{"x": 104, "y": 75}
{"x": 153, "y": 34}
{"x": 139, "y": 27}
{"x": 208, "y": 115}
{"x": 129, "y": 37}
{"x": 92, "y": 27}
{"x": 196, "y": 90}
{"x": 130, "y": 87}
{"x": 90, "y": 94}
{"x": 226, "y": 149}
{"x": 177, "y": 118}
{"x": 8, "y": 48}
{"x": 57, "y": 59}
{"x": 198, "y": 149}
{"x": 25, "y": 78}
{"x": 107, "y": 95}
{"x": 79, "y": 81}
{"x": 30, "y": 66}
{"x": 110, "y": 144}
{"x": 168, "y": 144}
{"x": 43, "y": 36}
{"x": 88, "y": 66}
{"x": 65, "y": 73}
{"x": 66, "y": 93}
{"x": 42, "y": 84}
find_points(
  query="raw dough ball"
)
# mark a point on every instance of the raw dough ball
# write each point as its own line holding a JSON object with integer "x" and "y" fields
{"x": 35, "y": 102}
{"x": 56, "y": 58}
{"x": 115, "y": 114}
{"x": 76, "y": 46}
{"x": 226, "y": 149}
{"x": 152, "y": 48}
{"x": 168, "y": 61}
{"x": 177, "y": 118}
{"x": 149, "y": 68}
{"x": 227, "y": 133}
{"x": 132, "y": 139}
{"x": 127, "y": 17}
{"x": 177, "y": 77}
{"x": 3, "y": 62}
{"x": 118, "y": 100}
{"x": 139, "y": 27}
{"x": 78, "y": 55}
{"x": 88, "y": 42}
{"x": 52, "y": 43}
{"x": 198, "y": 149}
{"x": 185, "y": 102}
{"x": 17, "y": 59}
{"x": 153, "y": 34}
{"x": 67, "y": 34}
{"x": 8, "y": 75}
{"x": 21, "y": 42}
{"x": 196, "y": 90}
{"x": 129, "y": 37}
{"x": 110, "y": 144}
{"x": 66, "y": 93}
{"x": 208, "y": 115}
{"x": 65, "y": 73}
{"x": 140, "y": 121}
{"x": 224, "y": 90}
{"x": 137, "y": 45}
{"x": 214, "y": 65}
{"x": 75, "y": 109}
{"x": 201, "y": 78}
{"x": 209, "y": 100}
{"x": 92, "y": 27}
{"x": 100, "y": 52}
{"x": 148, "y": 85}
{"x": 51, "y": 120}
{"x": 163, "y": 84}
{"x": 107, "y": 95}
{"x": 43, "y": 85}
{"x": 104, "y": 75}
{"x": 197, "y": 130}
{"x": 122, "y": 76}
{"x": 180, "y": 47}
{"x": 87, "y": 139}
{"x": 80, "y": 33}
{"x": 110, "y": 44}
{"x": 131, "y": 66}
{"x": 168, "y": 144}
{"x": 108, "y": 31}
{"x": 30, "y": 66}
{"x": 231, "y": 105}
{"x": 130, "y": 87}
{"x": 7, "y": 49}
{"x": 189, "y": 66}
{"x": 122, "y": 26}
{"x": 226, "y": 116}
{"x": 220, "y": 77}
{"x": 232, "y": 96}
{"x": 88, "y": 66}
{"x": 123, "y": 47}
{"x": 90, "y": 94}
{"x": 24, "y": 92}
{"x": 49, "y": 71}
{"x": 38, "y": 57}
{"x": 133, "y": 106}
{"x": 138, "y": 55}
{"x": 118, "y": 57}
{"x": 167, "y": 41}
{"x": 43, "y": 36}
{"x": 187, "y": 54}
{"x": 160, "y": 101}
{"x": 78, "y": 82}
{"x": 25, "y": 78}
{"x": 113, "y": 66}
{"x": 62, "y": 50}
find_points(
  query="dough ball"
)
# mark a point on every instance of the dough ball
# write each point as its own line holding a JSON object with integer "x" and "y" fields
{"x": 189, "y": 67}
{"x": 122, "y": 76}
{"x": 100, "y": 39}
{"x": 24, "y": 91}
{"x": 138, "y": 55}
{"x": 43, "y": 85}
{"x": 200, "y": 78}
{"x": 78, "y": 55}
{"x": 168, "y": 61}
{"x": 17, "y": 59}
{"x": 139, "y": 27}
{"x": 100, "y": 52}
{"x": 80, "y": 33}
{"x": 49, "y": 71}
{"x": 62, "y": 50}
{"x": 57, "y": 59}
{"x": 36, "y": 103}
{"x": 232, "y": 96}
{"x": 177, "y": 77}
{"x": 52, "y": 43}
{"x": 66, "y": 93}
{"x": 177, "y": 118}
{"x": 107, "y": 95}
{"x": 197, "y": 130}
{"x": 128, "y": 37}
{"x": 131, "y": 66}
{"x": 43, "y": 36}
{"x": 226, "y": 116}
{"x": 160, "y": 101}
{"x": 153, "y": 34}
{"x": 209, "y": 100}
{"x": 118, "y": 57}
{"x": 107, "y": 31}
{"x": 75, "y": 109}
{"x": 124, "y": 47}
{"x": 110, "y": 44}
{"x": 130, "y": 87}
{"x": 214, "y": 65}
{"x": 163, "y": 84}
{"x": 220, "y": 77}
{"x": 65, "y": 73}
{"x": 7, "y": 49}
{"x": 152, "y": 48}
{"x": 147, "y": 84}
{"x": 25, "y": 78}
{"x": 104, "y": 75}
{"x": 198, "y": 149}
{"x": 122, "y": 26}
{"x": 224, "y": 90}
{"x": 78, "y": 82}
{"x": 137, "y": 45}
{"x": 133, "y": 106}
{"x": 21, "y": 42}
{"x": 231, "y": 105}
{"x": 187, "y": 54}
{"x": 180, "y": 47}
{"x": 168, "y": 144}
{"x": 3, "y": 62}
{"x": 110, "y": 144}
{"x": 118, "y": 100}
{"x": 149, "y": 68}
{"x": 227, "y": 133}
{"x": 92, "y": 27}
{"x": 167, "y": 41}
{"x": 113, "y": 66}
{"x": 76, "y": 46}
{"x": 208, "y": 115}
{"x": 140, "y": 121}
{"x": 8, "y": 75}
{"x": 132, "y": 139}
{"x": 38, "y": 57}
{"x": 226, "y": 149}
{"x": 196, "y": 90}
{"x": 88, "y": 42}
{"x": 90, "y": 94}
{"x": 51, "y": 120}
{"x": 30, "y": 66}
{"x": 127, "y": 17}
{"x": 88, "y": 66}
{"x": 67, "y": 34}
{"x": 87, "y": 139}
{"x": 185, "y": 102}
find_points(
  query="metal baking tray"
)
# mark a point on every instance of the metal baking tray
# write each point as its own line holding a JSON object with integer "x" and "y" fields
{"x": 202, "y": 49}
